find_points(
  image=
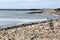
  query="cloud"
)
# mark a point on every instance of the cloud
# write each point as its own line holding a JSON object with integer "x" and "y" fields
{"x": 5, "y": 1}
{"x": 28, "y": 3}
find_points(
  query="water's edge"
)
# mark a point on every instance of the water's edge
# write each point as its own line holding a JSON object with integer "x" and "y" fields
{"x": 26, "y": 24}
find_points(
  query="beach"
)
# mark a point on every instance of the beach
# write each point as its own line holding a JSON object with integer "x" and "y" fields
{"x": 39, "y": 31}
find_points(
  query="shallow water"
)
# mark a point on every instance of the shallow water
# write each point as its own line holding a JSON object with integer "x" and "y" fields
{"x": 11, "y": 18}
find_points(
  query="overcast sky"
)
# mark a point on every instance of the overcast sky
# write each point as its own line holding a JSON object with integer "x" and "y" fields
{"x": 26, "y": 4}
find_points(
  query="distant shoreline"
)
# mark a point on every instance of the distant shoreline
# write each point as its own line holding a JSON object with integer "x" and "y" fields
{"x": 21, "y": 9}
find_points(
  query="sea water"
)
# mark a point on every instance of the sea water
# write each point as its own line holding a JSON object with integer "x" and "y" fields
{"x": 13, "y": 18}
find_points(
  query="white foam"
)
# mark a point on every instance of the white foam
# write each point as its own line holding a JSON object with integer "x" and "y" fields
{"x": 8, "y": 22}
{"x": 26, "y": 20}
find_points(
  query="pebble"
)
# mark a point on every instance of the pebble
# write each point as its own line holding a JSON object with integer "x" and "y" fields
{"x": 32, "y": 32}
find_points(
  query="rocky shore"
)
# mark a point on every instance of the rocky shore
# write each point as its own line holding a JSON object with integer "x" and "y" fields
{"x": 51, "y": 11}
{"x": 41, "y": 31}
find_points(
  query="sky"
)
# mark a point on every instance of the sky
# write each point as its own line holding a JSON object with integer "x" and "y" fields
{"x": 28, "y": 4}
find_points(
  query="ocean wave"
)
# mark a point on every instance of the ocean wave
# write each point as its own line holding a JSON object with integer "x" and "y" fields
{"x": 9, "y": 22}
{"x": 26, "y": 20}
